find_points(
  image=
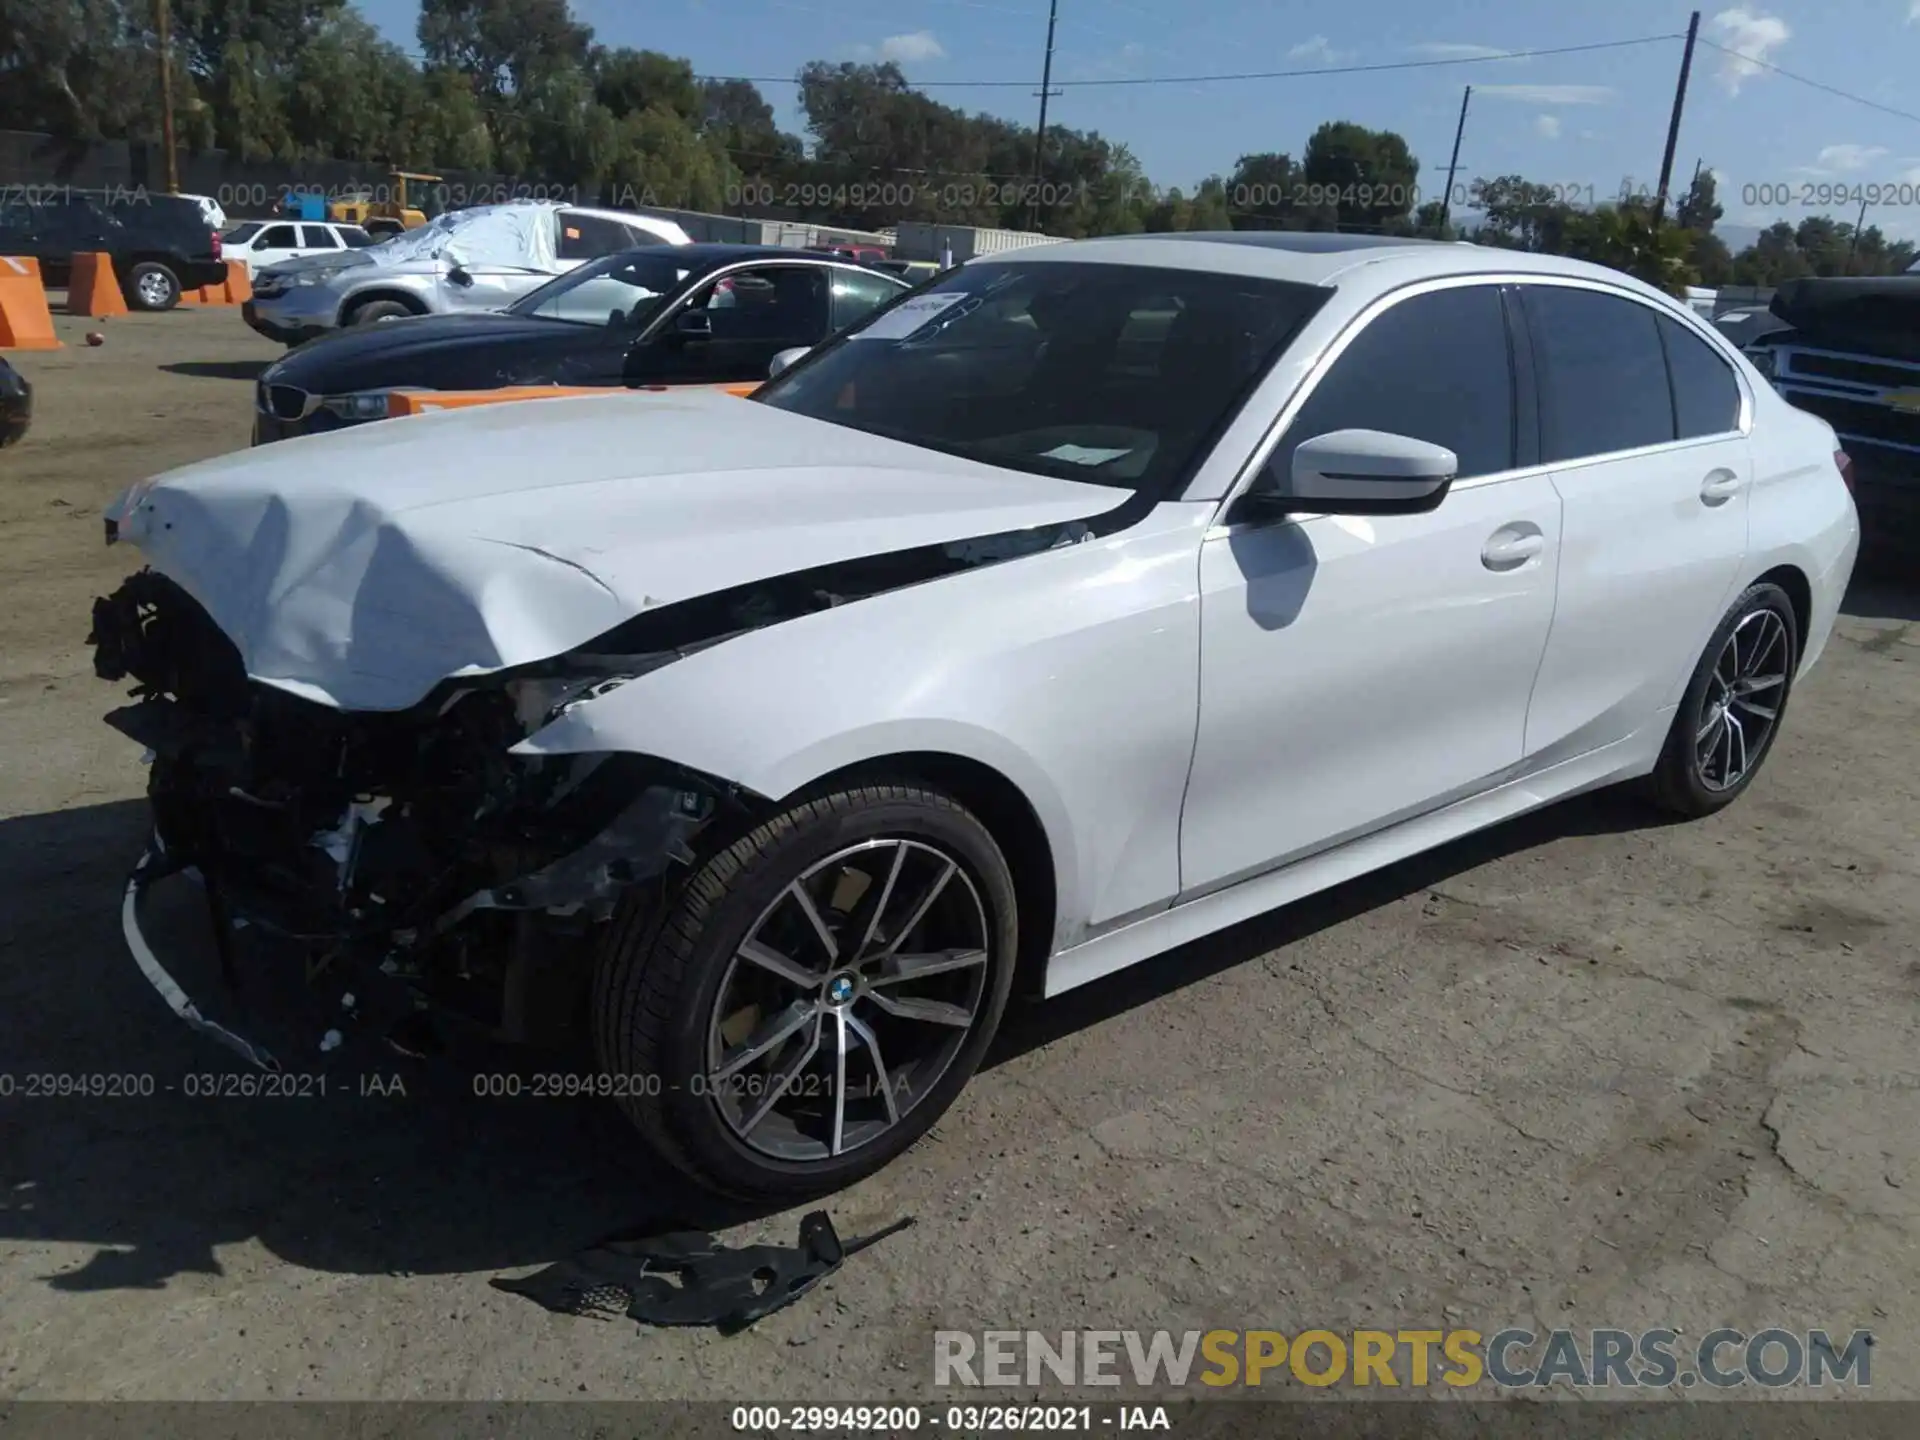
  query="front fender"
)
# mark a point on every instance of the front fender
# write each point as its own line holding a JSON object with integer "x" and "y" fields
{"x": 1073, "y": 673}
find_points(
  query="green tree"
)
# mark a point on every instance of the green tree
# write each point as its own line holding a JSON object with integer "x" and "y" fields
{"x": 1371, "y": 172}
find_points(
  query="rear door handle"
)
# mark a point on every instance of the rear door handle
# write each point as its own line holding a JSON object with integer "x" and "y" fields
{"x": 1510, "y": 548}
{"x": 1720, "y": 485}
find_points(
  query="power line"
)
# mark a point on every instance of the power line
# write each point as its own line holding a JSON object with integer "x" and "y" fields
{"x": 1502, "y": 57}
{"x": 1814, "y": 84}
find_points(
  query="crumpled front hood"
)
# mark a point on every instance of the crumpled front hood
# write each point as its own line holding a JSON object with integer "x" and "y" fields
{"x": 361, "y": 568}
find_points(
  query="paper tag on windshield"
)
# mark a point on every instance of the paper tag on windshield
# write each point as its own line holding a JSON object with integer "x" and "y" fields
{"x": 1084, "y": 455}
{"x": 908, "y": 317}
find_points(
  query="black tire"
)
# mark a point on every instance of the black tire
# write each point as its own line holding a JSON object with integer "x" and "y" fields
{"x": 377, "y": 310}
{"x": 1678, "y": 783}
{"x": 152, "y": 286}
{"x": 660, "y": 975}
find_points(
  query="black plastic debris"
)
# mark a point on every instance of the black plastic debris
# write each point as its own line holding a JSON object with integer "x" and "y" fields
{"x": 689, "y": 1278}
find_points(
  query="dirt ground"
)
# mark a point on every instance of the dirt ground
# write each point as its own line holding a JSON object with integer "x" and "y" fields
{"x": 1583, "y": 1070}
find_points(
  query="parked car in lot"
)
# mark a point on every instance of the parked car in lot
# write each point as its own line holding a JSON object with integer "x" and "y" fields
{"x": 259, "y": 244}
{"x": 481, "y": 259}
{"x": 1848, "y": 350}
{"x": 159, "y": 243}
{"x": 661, "y": 315}
{"x": 16, "y": 404}
{"x": 1097, "y": 597}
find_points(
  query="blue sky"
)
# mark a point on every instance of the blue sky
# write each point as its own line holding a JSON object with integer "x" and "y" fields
{"x": 1594, "y": 119}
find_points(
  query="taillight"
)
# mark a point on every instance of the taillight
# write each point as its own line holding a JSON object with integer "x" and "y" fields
{"x": 1844, "y": 464}
{"x": 216, "y": 244}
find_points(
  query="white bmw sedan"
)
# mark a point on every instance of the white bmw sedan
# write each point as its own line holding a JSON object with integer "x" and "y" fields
{"x": 1095, "y": 598}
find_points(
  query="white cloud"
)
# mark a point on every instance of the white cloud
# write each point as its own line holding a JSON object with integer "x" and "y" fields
{"x": 1319, "y": 52}
{"x": 1454, "y": 50}
{"x": 904, "y": 49}
{"x": 1547, "y": 127}
{"x": 1849, "y": 157}
{"x": 1753, "y": 38}
{"x": 1550, "y": 94}
{"x": 1913, "y": 13}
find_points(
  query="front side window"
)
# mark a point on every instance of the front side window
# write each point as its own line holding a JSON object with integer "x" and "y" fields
{"x": 786, "y": 303}
{"x": 588, "y": 237}
{"x": 317, "y": 237}
{"x": 355, "y": 237}
{"x": 1434, "y": 367}
{"x": 1603, "y": 373}
{"x": 278, "y": 237}
{"x": 1706, "y": 397}
{"x": 623, "y": 291}
{"x": 1120, "y": 375}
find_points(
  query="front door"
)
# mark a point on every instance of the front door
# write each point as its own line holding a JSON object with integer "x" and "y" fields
{"x": 729, "y": 332}
{"x": 1355, "y": 671}
{"x": 1642, "y": 420}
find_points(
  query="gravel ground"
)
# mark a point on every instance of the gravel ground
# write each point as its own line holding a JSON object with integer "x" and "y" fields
{"x": 1585, "y": 1069}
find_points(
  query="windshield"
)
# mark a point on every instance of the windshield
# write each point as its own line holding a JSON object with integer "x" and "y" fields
{"x": 620, "y": 290}
{"x": 1117, "y": 374}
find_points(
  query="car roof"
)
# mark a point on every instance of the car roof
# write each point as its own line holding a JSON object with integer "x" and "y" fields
{"x": 706, "y": 254}
{"x": 1314, "y": 258}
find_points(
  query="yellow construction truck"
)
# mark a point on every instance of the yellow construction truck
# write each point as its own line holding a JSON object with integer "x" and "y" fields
{"x": 381, "y": 218}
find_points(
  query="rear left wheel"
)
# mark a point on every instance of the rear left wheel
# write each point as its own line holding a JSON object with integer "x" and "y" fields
{"x": 152, "y": 286}
{"x": 815, "y": 996}
{"x": 1733, "y": 706}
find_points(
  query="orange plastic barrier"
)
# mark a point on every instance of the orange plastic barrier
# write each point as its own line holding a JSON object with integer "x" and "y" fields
{"x": 25, "y": 321}
{"x": 420, "y": 402}
{"x": 93, "y": 289}
{"x": 239, "y": 285}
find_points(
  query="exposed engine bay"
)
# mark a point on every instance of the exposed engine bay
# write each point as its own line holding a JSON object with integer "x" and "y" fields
{"x": 410, "y": 842}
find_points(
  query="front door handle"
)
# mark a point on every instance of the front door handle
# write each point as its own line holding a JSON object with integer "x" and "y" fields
{"x": 1719, "y": 487}
{"x": 1511, "y": 548}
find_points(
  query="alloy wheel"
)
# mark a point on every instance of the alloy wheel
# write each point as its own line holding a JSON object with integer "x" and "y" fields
{"x": 847, "y": 1001}
{"x": 1742, "y": 701}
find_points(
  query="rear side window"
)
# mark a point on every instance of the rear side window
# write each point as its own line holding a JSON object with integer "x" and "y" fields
{"x": 1706, "y": 397}
{"x": 855, "y": 295}
{"x": 588, "y": 237}
{"x": 1604, "y": 382}
{"x": 1434, "y": 367}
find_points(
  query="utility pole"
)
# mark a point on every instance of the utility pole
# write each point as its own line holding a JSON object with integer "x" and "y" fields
{"x": 1040, "y": 135}
{"x": 1673, "y": 126}
{"x": 163, "y": 32}
{"x": 1446, "y": 200}
{"x": 1853, "y": 242}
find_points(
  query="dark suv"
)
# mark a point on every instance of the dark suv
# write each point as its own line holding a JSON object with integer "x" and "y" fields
{"x": 160, "y": 244}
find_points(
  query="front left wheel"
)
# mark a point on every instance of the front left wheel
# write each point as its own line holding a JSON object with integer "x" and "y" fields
{"x": 815, "y": 996}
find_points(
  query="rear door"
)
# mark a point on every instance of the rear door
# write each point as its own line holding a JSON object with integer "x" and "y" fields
{"x": 1644, "y": 425}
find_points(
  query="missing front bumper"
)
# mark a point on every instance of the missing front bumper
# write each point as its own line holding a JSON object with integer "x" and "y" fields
{"x": 153, "y": 867}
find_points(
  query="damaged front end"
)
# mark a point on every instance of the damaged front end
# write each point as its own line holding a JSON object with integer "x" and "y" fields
{"x": 410, "y": 845}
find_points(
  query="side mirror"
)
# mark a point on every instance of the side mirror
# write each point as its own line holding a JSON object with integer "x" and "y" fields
{"x": 459, "y": 276}
{"x": 1360, "y": 472}
{"x": 696, "y": 324}
{"x": 785, "y": 361}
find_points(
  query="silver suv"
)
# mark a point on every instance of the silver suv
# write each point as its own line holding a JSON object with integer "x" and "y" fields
{"x": 480, "y": 259}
